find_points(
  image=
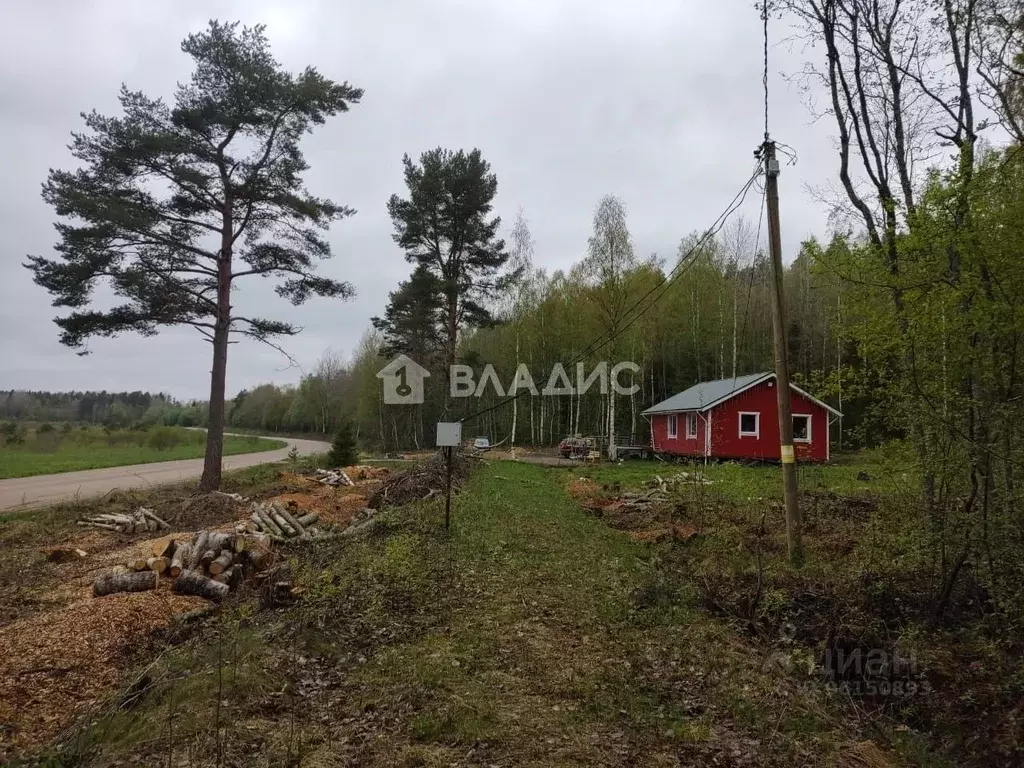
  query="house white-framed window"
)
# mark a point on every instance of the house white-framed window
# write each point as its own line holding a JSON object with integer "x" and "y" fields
{"x": 750, "y": 424}
{"x": 801, "y": 427}
{"x": 691, "y": 425}
{"x": 673, "y": 426}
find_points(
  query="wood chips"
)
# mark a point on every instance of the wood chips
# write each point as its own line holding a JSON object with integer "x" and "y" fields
{"x": 58, "y": 665}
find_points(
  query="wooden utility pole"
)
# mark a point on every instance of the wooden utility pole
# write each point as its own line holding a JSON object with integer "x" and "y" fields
{"x": 793, "y": 523}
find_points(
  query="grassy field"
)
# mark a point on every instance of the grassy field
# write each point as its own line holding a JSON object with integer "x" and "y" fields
{"x": 49, "y": 452}
{"x": 539, "y": 633}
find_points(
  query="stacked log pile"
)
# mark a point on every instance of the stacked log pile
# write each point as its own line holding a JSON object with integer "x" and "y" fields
{"x": 274, "y": 519}
{"x": 333, "y": 477}
{"x": 140, "y": 521}
{"x": 210, "y": 565}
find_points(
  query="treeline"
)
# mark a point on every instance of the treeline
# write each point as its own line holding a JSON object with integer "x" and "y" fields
{"x": 116, "y": 410}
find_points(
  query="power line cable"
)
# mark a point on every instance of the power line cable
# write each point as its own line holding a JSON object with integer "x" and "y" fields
{"x": 666, "y": 282}
{"x": 750, "y": 281}
{"x": 764, "y": 78}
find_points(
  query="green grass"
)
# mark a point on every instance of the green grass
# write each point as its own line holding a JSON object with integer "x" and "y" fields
{"x": 94, "y": 448}
{"x": 531, "y": 634}
{"x": 890, "y": 470}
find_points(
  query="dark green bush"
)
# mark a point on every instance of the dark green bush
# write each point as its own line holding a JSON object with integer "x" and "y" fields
{"x": 45, "y": 428}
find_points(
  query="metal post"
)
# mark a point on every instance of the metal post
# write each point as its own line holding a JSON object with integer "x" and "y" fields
{"x": 793, "y": 523}
{"x": 448, "y": 487}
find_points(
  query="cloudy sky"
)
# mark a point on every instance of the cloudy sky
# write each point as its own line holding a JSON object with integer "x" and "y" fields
{"x": 656, "y": 101}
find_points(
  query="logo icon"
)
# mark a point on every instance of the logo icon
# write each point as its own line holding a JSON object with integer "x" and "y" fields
{"x": 403, "y": 381}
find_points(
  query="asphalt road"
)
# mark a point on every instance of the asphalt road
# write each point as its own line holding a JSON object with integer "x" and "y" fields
{"x": 40, "y": 490}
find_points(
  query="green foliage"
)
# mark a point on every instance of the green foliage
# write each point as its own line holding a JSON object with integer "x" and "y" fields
{"x": 293, "y": 455}
{"x": 343, "y": 451}
{"x": 44, "y": 428}
{"x": 12, "y": 433}
{"x": 65, "y": 428}
{"x": 162, "y": 438}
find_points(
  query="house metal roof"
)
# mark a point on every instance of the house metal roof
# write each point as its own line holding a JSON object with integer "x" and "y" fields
{"x": 707, "y": 394}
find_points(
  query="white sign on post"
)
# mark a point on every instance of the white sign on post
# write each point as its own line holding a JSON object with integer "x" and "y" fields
{"x": 449, "y": 434}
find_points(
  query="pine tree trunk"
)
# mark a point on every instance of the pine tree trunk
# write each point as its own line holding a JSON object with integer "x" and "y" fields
{"x": 210, "y": 480}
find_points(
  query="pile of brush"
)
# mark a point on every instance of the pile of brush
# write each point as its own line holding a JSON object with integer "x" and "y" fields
{"x": 274, "y": 519}
{"x": 209, "y": 566}
{"x": 423, "y": 482}
{"x": 676, "y": 480}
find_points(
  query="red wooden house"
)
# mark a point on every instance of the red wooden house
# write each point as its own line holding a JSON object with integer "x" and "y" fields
{"x": 738, "y": 418}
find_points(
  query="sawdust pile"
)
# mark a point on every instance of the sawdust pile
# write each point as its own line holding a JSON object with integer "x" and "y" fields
{"x": 205, "y": 510}
{"x": 58, "y": 665}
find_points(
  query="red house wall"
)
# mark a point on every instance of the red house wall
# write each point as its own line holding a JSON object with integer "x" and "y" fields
{"x": 726, "y": 442}
{"x": 679, "y": 445}
{"x": 725, "y": 426}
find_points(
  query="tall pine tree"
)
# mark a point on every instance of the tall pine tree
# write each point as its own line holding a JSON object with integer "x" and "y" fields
{"x": 444, "y": 228}
{"x": 172, "y": 205}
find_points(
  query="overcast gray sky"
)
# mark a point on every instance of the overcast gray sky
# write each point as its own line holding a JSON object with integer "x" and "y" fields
{"x": 656, "y": 101}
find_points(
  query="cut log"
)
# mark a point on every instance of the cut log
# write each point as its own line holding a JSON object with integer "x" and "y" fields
{"x": 114, "y": 518}
{"x": 265, "y": 518}
{"x": 158, "y": 564}
{"x": 232, "y": 577}
{"x": 219, "y": 541}
{"x": 164, "y": 547}
{"x": 295, "y": 524}
{"x": 192, "y": 583}
{"x": 113, "y": 583}
{"x": 221, "y": 563}
{"x": 149, "y": 513}
{"x": 282, "y": 523}
{"x": 307, "y": 520}
{"x": 179, "y": 563}
{"x": 208, "y": 557}
{"x": 136, "y": 564}
{"x": 198, "y": 548}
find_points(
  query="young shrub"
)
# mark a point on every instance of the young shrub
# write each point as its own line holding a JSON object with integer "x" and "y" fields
{"x": 65, "y": 428}
{"x": 162, "y": 438}
{"x": 45, "y": 428}
{"x": 343, "y": 450}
